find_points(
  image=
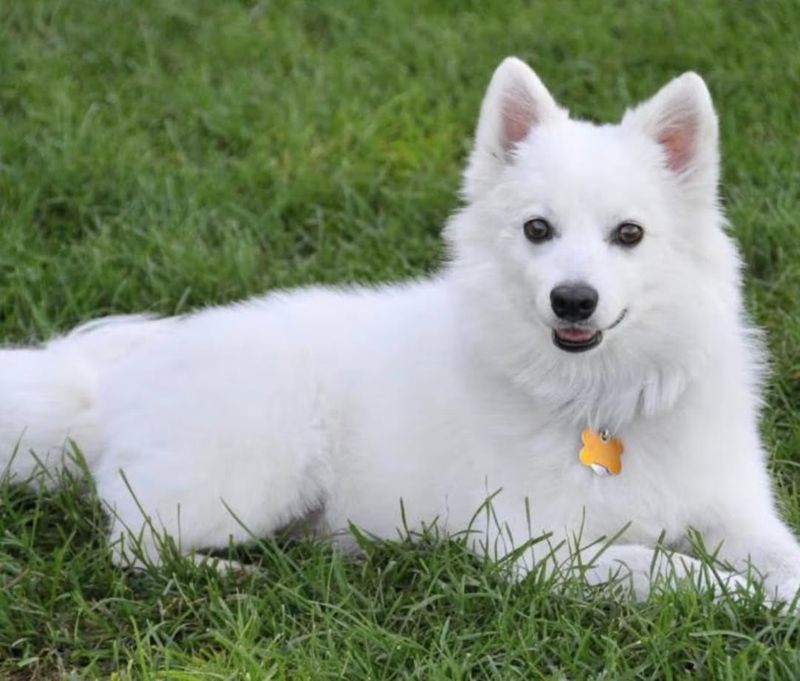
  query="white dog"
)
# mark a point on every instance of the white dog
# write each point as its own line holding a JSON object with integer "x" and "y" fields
{"x": 583, "y": 358}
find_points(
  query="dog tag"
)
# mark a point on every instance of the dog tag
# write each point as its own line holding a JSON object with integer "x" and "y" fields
{"x": 601, "y": 452}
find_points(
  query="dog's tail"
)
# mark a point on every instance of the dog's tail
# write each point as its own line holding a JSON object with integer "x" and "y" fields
{"x": 48, "y": 395}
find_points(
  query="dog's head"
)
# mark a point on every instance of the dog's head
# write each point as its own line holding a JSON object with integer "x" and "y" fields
{"x": 595, "y": 255}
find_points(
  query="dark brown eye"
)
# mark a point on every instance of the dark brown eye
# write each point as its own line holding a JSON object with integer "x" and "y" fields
{"x": 538, "y": 230}
{"x": 628, "y": 234}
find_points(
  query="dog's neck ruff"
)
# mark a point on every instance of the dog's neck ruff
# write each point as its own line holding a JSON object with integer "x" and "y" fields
{"x": 601, "y": 453}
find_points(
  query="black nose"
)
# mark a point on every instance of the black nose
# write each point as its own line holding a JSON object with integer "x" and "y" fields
{"x": 574, "y": 302}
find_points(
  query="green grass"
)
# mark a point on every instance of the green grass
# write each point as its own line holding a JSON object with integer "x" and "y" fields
{"x": 167, "y": 155}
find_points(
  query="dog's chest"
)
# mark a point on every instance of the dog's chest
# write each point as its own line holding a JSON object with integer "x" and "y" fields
{"x": 648, "y": 492}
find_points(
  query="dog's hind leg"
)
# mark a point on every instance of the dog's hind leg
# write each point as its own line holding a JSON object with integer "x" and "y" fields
{"x": 199, "y": 487}
{"x": 139, "y": 551}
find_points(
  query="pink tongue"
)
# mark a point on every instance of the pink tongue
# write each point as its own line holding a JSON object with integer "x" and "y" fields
{"x": 575, "y": 335}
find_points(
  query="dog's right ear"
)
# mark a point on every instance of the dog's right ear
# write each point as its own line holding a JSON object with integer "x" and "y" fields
{"x": 515, "y": 103}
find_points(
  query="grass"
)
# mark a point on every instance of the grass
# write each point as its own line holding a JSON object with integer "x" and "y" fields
{"x": 163, "y": 155}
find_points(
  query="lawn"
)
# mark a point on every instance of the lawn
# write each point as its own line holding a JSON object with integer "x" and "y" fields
{"x": 165, "y": 155}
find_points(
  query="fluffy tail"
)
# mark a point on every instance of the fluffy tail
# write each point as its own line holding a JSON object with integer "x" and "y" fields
{"x": 48, "y": 395}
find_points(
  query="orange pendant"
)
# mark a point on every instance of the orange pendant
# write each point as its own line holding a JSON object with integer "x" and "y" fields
{"x": 601, "y": 452}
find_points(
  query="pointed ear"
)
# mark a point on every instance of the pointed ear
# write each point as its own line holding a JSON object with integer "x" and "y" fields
{"x": 515, "y": 103}
{"x": 680, "y": 118}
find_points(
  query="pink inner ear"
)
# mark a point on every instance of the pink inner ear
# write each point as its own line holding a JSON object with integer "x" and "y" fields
{"x": 679, "y": 143}
{"x": 519, "y": 117}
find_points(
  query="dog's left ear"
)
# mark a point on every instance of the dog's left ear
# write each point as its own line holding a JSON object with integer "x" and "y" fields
{"x": 680, "y": 118}
{"x": 515, "y": 103}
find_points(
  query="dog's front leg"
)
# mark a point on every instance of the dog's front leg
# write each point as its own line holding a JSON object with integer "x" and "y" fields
{"x": 639, "y": 568}
{"x": 634, "y": 567}
{"x": 761, "y": 541}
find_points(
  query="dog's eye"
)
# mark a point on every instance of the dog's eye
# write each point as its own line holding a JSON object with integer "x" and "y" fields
{"x": 628, "y": 234}
{"x": 538, "y": 230}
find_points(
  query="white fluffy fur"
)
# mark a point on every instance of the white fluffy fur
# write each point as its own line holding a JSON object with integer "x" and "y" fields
{"x": 340, "y": 403}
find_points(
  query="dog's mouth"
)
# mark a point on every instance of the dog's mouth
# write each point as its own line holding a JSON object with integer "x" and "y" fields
{"x": 575, "y": 339}
{"x": 581, "y": 339}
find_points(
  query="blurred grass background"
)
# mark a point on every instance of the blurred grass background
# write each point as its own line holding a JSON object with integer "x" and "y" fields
{"x": 164, "y": 155}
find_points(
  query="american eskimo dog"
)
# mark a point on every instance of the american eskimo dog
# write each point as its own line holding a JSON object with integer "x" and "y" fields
{"x": 583, "y": 358}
